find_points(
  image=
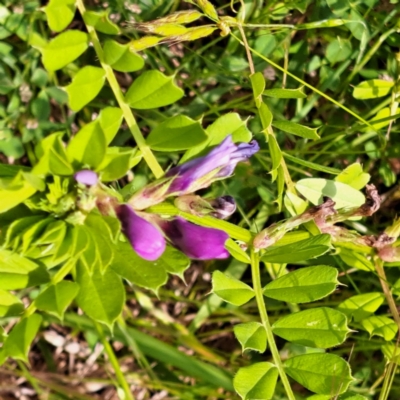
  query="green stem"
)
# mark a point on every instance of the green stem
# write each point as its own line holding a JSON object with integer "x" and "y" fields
{"x": 255, "y": 272}
{"x": 304, "y": 83}
{"x": 127, "y": 112}
{"x": 114, "y": 362}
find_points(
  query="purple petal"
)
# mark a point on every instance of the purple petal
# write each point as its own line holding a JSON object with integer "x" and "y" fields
{"x": 224, "y": 157}
{"x": 86, "y": 177}
{"x": 145, "y": 238}
{"x": 197, "y": 242}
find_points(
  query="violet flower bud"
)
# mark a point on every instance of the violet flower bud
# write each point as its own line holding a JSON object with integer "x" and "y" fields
{"x": 195, "y": 174}
{"x": 145, "y": 238}
{"x": 197, "y": 242}
{"x": 224, "y": 207}
{"x": 219, "y": 163}
{"x": 86, "y": 177}
{"x": 221, "y": 207}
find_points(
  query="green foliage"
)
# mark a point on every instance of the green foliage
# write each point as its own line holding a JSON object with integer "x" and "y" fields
{"x": 303, "y": 285}
{"x": 152, "y": 90}
{"x": 321, "y": 373}
{"x": 85, "y": 86}
{"x": 256, "y": 381}
{"x": 252, "y": 336}
{"x": 322, "y": 104}
{"x": 231, "y": 290}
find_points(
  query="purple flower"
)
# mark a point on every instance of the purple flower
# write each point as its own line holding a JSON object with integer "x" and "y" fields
{"x": 86, "y": 177}
{"x": 145, "y": 238}
{"x": 219, "y": 163}
{"x": 195, "y": 174}
{"x": 197, "y": 242}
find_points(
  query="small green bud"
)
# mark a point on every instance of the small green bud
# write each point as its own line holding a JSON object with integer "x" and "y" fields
{"x": 393, "y": 231}
{"x": 181, "y": 17}
{"x": 208, "y": 9}
{"x": 192, "y": 34}
{"x": 161, "y": 29}
{"x": 144, "y": 43}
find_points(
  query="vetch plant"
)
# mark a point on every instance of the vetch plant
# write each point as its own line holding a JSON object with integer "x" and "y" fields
{"x": 89, "y": 222}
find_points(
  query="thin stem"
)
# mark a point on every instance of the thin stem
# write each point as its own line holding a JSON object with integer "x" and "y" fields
{"x": 114, "y": 362}
{"x": 304, "y": 83}
{"x": 255, "y": 272}
{"x": 247, "y": 47}
{"x": 127, "y": 112}
{"x": 386, "y": 290}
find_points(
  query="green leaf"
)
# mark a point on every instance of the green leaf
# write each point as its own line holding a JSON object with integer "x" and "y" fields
{"x": 354, "y": 176}
{"x": 251, "y": 336}
{"x": 56, "y": 298}
{"x": 121, "y": 58}
{"x": 110, "y": 120}
{"x": 101, "y": 295}
{"x": 152, "y": 89}
{"x": 228, "y": 124}
{"x": 384, "y": 114}
{"x": 319, "y": 327}
{"x": 149, "y": 274}
{"x": 320, "y": 373}
{"x": 116, "y": 163}
{"x": 380, "y": 325}
{"x": 256, "y": 382}
{"x": 18, "y": 272}
{"x": 85, "y": 86}
{"x": 16, "y": 228}
{"x": 101, "y": 22}
{"x": 230, "y": 289}
{"x": 15, "y": 192}
{"x": 345, "y": 396}
{"x": 266, "y": 117}
{"x": 338, "y": 50}
{"x": 21, "y": 336}
{"x": 176, "y": 133}
{"x": 237, "y": 252}
{"x": 10, "y": 305}
{"x": 64, "y": 49}
{"x": 309, "y": 164}
{"x": 362, "y": 305}
{"x": 60, "y": 14}
{"x": 52, "y": 157}
{"x": 279, "y": 93}
{"x": 88, "y": 146}
{"x": 297, "y": 129}
{"x": 275, "y": 152}
{"x": 174, "y": 261}
{"x": 314, "y": 189}
{"x": 34, "y": 232}
{"x": 303, "y": 285}
{"x": 355, "y": 260}
{"x": 306, "y": 249}
{"x": 372, "y": 89}
{"x": 258, "y": 85}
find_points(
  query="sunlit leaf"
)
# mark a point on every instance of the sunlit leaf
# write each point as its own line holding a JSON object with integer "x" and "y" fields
{"x": 257, "y": 381}
{"x": 318, "y": 327}
{"x": 230, "y": 289}
{"x": 21, "y": 337}
{"x": 299, "y": 251}
{"x": 303, "y": 285}
{"x": 64, "y": 48}
{"x": 252, "y": 336}
{"x": 85, "y": 86}
{"x": 314, "y": 189}
{"x": 380, "y": 325}
{"x": 152, "y": 89}
{"x": 320, "y": 373}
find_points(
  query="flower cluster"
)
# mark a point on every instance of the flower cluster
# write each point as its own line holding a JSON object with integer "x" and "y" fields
{"x": 149, "y": 233}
